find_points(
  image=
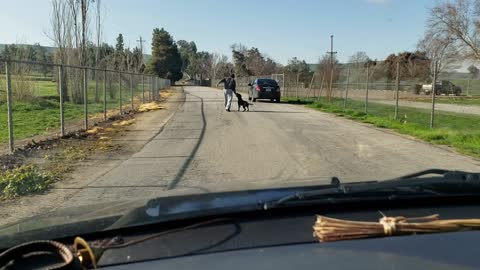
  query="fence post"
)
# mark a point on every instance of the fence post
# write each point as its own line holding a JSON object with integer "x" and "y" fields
{"x": 85, "y": 97}
{"x": 154, "y": 81}
{"x": 397, "y": 89}
{"x": 157, "y": 86}
{"x": 157, "y": 90}
{"x": 434, "y": 82}
{"x": 298, "y": 75}
{"x": 346, "y": 89}
{"x": 330, "y": 88}
{"x": 131, "y": 90}
{"x": 60, "y": 93}
{"x": 310, "y": 86}
{"x": 9, "y": 107}
{"x": 150, "y": 90}
{"x": 366, "y": 88}
{"x": 120, "y": 91}
{"x": 143, "y": 89}
{"x": 468, "y": 86}
{"x": 105, "y": 95}
{"x": 321, "y": 86}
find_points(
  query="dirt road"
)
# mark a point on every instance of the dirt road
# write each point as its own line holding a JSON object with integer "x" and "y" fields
{"x": 198, "y": 147}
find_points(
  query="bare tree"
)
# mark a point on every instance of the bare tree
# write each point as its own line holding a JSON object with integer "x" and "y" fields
{"x": 331, "y": 72}
{"x": 441, "y": 48}
{"x": 61, "y": 34}
{"x": 458, "y": 22}
{"x": 217, "y": 61}
{"x": 98, "y": 24}
{"x": 85, "y": 4}
{"x": 220, "y": 67}
{"x": 359, "y": 58}
{"x": 69, "y": 32}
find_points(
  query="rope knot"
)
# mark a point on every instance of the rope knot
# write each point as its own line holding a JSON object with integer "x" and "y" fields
{"x": 389, "y": 225}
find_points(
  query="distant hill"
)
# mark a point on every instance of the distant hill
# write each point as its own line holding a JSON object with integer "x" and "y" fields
{"x": 455, "y": 75}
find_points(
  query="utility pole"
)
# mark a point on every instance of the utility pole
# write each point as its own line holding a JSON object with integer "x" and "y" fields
{"x": 331, "y": 52}
{"x": 141, "y": 40}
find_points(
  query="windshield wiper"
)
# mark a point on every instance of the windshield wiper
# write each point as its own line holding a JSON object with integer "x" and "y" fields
{"x": 446, "y": 182}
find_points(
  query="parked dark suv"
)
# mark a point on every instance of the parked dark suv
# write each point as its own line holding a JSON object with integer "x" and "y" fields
{"x": 264, "y": 89}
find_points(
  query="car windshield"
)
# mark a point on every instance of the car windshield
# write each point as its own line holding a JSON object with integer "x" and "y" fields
{"x": 109, "y": 106}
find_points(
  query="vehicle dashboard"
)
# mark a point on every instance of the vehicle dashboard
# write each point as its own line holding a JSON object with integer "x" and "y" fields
{"x": 284, "y": 240}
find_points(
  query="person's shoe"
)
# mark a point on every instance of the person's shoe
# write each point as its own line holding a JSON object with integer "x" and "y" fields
{"x": 228, "y": 110}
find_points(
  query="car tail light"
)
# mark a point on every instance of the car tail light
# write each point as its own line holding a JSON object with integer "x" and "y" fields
{"x": 278, "y": 88}
{"x": 257, "y": 88}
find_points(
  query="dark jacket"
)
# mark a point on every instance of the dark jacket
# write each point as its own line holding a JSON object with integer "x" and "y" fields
{"x": 229, "y": 83}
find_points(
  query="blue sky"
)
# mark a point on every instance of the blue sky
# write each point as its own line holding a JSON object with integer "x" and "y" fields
{"x": 280, "y": 28}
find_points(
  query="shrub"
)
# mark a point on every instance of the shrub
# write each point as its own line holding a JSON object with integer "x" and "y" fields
{"x": 23, "y": 180}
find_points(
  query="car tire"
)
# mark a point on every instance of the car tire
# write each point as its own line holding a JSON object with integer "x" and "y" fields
{"x": 277, "y": 100}
{"x": 271, "y": 100}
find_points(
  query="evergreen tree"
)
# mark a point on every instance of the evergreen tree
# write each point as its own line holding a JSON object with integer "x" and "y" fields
{"x": 119, "y": 53}
{"x": 119, "y": 47}
{"x": 166, "y": 61}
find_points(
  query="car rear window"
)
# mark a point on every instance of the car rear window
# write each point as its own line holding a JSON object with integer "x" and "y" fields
{"x": 267, "y": 82}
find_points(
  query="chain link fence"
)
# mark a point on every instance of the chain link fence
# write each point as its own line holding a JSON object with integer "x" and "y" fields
{"x": 396, "y": 90}
{"x": 49, "y": 99}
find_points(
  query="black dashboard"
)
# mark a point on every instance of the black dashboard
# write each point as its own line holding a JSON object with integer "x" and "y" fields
{"x": 283, "y": 240}
{"x": 424, "y": 252}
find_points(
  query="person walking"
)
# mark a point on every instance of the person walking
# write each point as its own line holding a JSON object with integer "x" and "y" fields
{"x": 229, "y": 87}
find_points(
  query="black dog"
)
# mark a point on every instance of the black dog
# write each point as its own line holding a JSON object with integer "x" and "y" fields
{"x": 242, "y": 103}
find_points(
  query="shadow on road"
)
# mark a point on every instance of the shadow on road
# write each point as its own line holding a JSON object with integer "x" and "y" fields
{"x": 252, "y": 111}
{"x": 301, "y": 102}
{"x": 196, "y": 101}
{"x": 190, "y": 158}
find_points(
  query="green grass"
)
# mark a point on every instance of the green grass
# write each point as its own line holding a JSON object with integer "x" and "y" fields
{"x": 45, "y": 88}
{"x": 451, "y": 100}
{"x": 461, "y": 131}
{"x": 42, "y": 114}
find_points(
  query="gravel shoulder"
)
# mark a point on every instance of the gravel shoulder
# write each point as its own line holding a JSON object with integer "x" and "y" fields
{"x": 467, "y": 109}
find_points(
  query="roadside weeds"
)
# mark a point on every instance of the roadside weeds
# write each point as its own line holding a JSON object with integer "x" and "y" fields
{"x": 36, "y": 166}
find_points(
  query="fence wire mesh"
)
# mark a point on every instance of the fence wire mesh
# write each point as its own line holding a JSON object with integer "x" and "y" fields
{"x": 386, "y": 89}
{"x": 48, "y": 99}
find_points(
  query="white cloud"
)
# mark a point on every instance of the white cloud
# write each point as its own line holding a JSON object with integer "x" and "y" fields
{"x": 379, "y": 2}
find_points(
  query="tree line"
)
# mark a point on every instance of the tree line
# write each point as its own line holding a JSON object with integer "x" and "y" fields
{"x": 77, "y": 32}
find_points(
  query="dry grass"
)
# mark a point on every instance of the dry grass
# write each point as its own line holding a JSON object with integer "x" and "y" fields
{"x": 123, "y": 123}
{"x": 152, "y": 106}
